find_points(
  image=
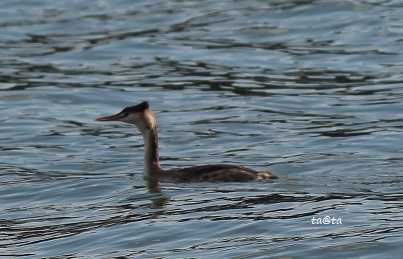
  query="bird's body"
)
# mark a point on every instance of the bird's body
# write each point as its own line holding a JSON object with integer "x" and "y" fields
{"x": 141, "y": 116}
{"x": 215, "y": 173}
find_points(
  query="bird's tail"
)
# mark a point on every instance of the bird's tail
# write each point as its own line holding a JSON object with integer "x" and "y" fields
{"x": 265, "y": 175}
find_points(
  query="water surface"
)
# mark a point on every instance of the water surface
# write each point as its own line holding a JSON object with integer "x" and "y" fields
{"x": 312, "y": 90}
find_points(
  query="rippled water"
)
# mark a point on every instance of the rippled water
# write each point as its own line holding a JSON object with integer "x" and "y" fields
{"x": 312, "y": 90}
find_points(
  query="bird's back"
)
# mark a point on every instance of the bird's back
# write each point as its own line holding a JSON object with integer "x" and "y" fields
{"x": 215, "y": 173}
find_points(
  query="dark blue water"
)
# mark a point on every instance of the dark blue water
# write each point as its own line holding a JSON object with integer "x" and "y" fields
{"x": 312, "y": 90}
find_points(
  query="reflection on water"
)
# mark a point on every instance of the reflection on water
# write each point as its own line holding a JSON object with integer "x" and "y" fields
{"x": 310, "y": 89}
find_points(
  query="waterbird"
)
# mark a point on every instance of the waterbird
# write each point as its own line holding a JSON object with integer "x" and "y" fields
{"x": 144, "y": 119}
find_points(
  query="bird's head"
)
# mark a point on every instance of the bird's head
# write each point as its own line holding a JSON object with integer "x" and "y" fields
{"x": 139, "y": 115}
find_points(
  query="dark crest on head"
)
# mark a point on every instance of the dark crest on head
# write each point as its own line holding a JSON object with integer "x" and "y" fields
{"x": 137, "y": 108}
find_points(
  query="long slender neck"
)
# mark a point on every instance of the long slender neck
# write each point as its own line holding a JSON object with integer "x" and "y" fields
{"x": 152, "y": 167}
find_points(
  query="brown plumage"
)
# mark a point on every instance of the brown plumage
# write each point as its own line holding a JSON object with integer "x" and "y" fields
{"x": 214, "y": 173}
{"x": 141, "y": 116}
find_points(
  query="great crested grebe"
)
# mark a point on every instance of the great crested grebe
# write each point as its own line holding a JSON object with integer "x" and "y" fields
{"x": 144, "y": 119}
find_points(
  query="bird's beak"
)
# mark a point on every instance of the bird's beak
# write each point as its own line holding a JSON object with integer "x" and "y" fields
{"x": 115, "y": 117}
